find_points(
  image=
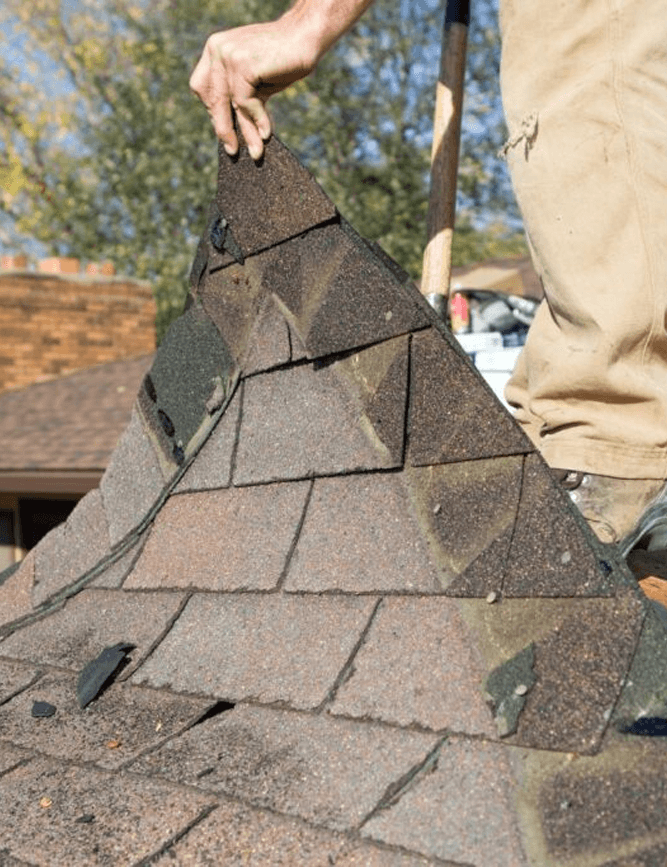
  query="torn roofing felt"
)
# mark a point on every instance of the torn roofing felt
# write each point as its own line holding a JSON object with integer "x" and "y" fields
{"x": 361, "y": 623}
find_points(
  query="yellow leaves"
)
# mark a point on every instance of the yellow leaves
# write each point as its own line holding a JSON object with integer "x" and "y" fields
{"x": 91, "y": 55}
{"x": 12, "y": 180}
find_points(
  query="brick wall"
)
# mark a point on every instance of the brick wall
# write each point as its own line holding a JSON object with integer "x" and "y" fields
{"x": 52, "y": 324}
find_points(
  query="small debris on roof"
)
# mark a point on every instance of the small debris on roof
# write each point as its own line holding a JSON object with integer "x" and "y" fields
{"x": 86, "y": 819}
{"x": 99, "y": 672}
{"x": 648, "y": 726}
{"x": 42, "y": 709}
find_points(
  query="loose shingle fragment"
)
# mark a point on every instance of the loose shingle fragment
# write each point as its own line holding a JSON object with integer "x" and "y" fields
{"x": 100, "y": 671}
{"x": 42, "y": 709}
{"x": 647, "y": 726}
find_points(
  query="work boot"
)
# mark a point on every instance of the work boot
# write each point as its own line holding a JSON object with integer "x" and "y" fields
{"x": 616, "y": 509}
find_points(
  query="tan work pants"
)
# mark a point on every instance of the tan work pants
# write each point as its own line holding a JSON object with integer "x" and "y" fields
{"x": 585, "y": 92}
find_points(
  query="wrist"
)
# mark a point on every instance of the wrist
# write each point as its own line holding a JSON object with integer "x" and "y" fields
{"x": 314, "y": 25}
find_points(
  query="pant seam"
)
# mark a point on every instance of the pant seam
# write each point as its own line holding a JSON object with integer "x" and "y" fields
{"x": 617, "y": 81}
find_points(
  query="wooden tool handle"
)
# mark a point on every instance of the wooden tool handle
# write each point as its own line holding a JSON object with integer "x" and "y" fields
{"x": 437, "y": 267}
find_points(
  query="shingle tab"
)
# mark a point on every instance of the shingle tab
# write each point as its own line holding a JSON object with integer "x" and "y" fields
{"x": 132, "y": 483}
{"x": 417, "y": 667}
{"x": 580, "y": 669}
{"x": 469, "y": 792}
{"x": 269, "y": 344}
{"x": 192, "y": 363}
{"x": 233, "y": 297}
{"x": 379, "y": 376}
{"x": 340, "y": 293}
{"x": 91, "y": 621}
{"x": 486, "y": 573}
{"x": 606, "y": 809}
{"x": 72, "y": 549}
{"x": 118, "y": 570}
{"x": 454, "y": 415}
{"x": 302, "y": 422}
{"x": 232, "y": 539}
{"x": 293, "y": 763}
{"x": 644, "y": 692}
{"x": 237, "y": 833}
{"x": 270, "y": 201}
{"x": 464, "y": 509}
{"x": 359, "y": 535}
{"x": 132, "y": 818}
{"x": 122, "y": 722}
{"x": 582, "y": 651}
{"x": 550, "y": 554}
{"x": 212, "y": 468}
{"x": 219, "y": 646}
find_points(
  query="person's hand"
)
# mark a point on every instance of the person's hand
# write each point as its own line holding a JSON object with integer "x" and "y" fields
{"x": 240, "y": 69}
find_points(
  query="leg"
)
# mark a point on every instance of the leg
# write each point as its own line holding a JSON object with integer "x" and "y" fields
{"x": 588, "y": 81}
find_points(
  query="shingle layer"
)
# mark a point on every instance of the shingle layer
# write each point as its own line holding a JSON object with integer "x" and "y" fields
{"x": 367, "y": 627}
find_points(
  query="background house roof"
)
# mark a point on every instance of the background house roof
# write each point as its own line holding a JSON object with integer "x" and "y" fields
{"x": 357, "y": 622}
{"x": 67, "y": 425}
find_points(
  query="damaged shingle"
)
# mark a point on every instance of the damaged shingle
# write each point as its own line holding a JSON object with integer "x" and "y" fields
{"x": 100, "y": 671}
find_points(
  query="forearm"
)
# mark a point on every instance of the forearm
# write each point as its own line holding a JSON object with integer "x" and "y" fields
{"x": 322, "y": 22}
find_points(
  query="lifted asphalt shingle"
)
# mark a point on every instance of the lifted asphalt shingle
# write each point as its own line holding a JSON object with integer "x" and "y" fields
{"x": 364, "y": 546}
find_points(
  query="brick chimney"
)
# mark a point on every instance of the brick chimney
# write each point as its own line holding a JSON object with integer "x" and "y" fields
{"x": 56, "y": 320}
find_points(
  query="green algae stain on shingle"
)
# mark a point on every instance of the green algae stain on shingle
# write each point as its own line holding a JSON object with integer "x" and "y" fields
{"x": 507, "y": 687}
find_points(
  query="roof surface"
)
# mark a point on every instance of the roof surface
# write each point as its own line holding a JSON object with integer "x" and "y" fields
{"x": 356, "y": 622}
{"x": 69, "y": 423}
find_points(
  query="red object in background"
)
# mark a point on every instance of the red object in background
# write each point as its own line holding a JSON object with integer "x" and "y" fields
{"x": 459, "y": 313}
